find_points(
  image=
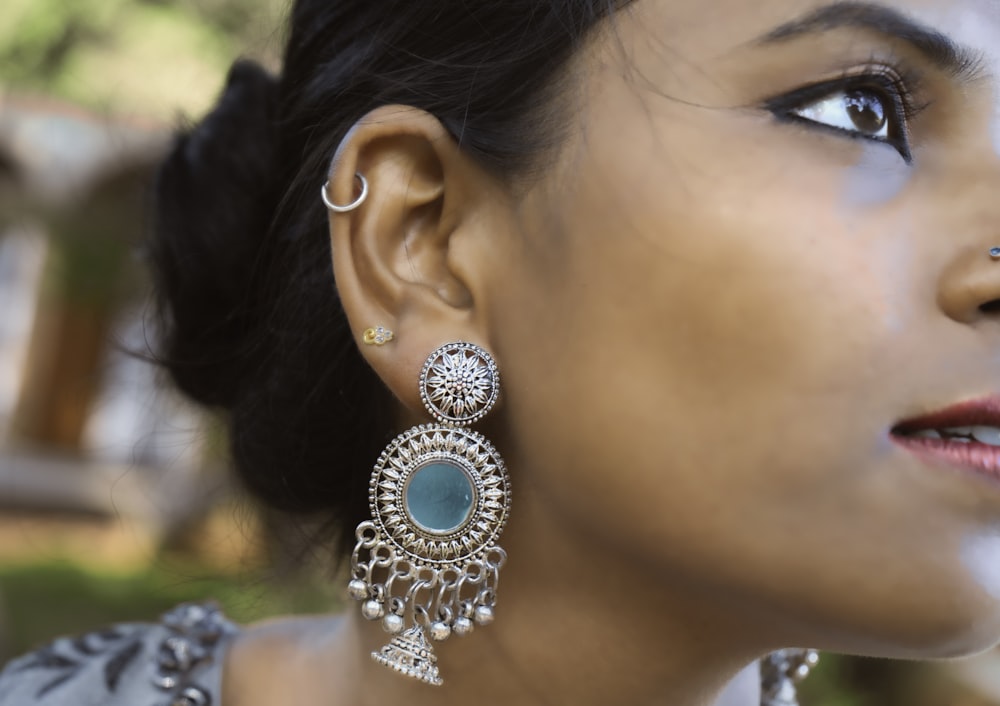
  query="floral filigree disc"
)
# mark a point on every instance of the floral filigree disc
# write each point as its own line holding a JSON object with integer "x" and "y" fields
{"x": 459, "y": 384}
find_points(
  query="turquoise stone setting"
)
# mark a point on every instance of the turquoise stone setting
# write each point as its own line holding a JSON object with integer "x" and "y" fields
{"x": 439, "y": 497}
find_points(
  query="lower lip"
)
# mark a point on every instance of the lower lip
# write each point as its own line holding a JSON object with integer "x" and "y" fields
{"x": 980, "y": 458}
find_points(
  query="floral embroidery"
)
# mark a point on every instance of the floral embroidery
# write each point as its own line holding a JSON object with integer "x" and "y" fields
{"x": 176, "y": 656}
{"x": 66, "y": 659}
{"x": 196, "y": 630}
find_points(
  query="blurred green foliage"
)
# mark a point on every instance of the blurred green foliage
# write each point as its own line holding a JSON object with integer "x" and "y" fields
{"x": 151, "y": 57}
{"x": 40, "y": 601}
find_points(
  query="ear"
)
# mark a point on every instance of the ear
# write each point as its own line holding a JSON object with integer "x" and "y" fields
{"x": 409, "y": 258}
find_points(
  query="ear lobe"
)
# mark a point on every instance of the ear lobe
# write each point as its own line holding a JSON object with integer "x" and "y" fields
{"x": 395, "y": 257}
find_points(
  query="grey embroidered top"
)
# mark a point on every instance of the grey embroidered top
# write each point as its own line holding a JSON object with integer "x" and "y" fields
{"x": 176, "y": 662}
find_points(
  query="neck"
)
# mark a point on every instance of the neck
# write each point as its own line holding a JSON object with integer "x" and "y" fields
{"x": 578, "y": 625}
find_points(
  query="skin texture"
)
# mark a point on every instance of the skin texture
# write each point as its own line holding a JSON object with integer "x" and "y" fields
{"x": 707, "y": 322}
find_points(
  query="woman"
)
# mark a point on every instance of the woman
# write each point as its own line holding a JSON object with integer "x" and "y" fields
{"x": 737, "y": 266}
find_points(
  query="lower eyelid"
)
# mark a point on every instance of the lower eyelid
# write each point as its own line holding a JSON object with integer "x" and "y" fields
{"x": 812, "y": 128}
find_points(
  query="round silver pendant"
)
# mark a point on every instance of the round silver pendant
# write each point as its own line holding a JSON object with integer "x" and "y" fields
{"x": 459, "y": 383}
{"x": 440, "y": 494}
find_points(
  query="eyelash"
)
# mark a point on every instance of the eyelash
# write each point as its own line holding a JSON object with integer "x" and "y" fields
{"x": 895, "y": 85}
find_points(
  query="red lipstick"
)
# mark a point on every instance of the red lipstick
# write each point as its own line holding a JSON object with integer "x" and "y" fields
{"x": 966, "y": 435}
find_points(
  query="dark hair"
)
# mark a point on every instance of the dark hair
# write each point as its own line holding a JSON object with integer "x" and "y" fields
{"x": 250, "y": 318}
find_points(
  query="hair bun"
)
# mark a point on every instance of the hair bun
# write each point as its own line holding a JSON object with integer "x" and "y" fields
{"x": 213, "y": 205}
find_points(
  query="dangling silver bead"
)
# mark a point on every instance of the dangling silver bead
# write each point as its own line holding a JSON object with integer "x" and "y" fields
{"x": 372, "y": 610}
{"x": 463, "y": 626}
{"x": 357, "y": 589}
{"x": 393, "y": 624}
{"x": 484, "y": 615}
{"x": 440, "y": 631}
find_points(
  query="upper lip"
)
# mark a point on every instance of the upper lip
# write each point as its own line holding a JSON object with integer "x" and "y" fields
{"x": 984, "y": 411}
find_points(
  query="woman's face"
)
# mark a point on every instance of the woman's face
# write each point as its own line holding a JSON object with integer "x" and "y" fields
{"x": 759, "y": 251}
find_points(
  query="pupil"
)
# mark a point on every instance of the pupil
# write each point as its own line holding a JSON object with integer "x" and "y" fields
{"x": 866, "y": 110}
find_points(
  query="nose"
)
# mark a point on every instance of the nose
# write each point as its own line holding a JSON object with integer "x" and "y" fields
{"x": 969, "y": 289}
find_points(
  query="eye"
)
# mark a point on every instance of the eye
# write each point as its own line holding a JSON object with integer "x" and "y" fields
{"x": 865, "y": 111}
{"x": 875, "y": 105}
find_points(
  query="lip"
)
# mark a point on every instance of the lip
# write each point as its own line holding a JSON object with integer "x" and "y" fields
{"x": 984, "y": 411}
{"x": 974, "y": 456}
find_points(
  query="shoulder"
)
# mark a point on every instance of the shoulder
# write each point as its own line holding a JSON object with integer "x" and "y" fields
{"x": 177, "y": 660}
{"x": 299, "y": 659}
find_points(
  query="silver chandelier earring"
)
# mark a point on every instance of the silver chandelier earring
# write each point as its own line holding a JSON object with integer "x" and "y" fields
{"x": 427, "y": 564}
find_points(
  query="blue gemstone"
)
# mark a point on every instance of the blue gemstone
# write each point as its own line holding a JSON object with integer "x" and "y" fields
{"x": 439, "y": 497}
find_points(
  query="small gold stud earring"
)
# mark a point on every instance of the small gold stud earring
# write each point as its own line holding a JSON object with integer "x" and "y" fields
{"x": 377, "y": 336}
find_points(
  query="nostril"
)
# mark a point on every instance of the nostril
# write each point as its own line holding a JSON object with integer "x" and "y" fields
{"x": 990, "y": 307}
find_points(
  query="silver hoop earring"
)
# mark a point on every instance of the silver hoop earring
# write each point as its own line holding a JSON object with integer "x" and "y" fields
{"x": 353, "y": 204}
{"x": 428, "y": 564}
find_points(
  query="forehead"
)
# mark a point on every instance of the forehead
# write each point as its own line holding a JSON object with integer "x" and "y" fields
{"x": 716, "y": 25}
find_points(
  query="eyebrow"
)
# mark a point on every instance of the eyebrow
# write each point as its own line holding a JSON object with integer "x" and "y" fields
{"x": 961, "y": 62}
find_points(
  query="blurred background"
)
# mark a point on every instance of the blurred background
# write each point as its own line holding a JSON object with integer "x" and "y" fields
{"x": 115, "y": 503}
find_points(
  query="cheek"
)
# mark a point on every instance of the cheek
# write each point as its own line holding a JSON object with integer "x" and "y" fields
{"x": 981, "y": 554}
{"x": 712, "y": 339}
{"x": 693, "y": 302}
{"x": 712, "y": 377}
{"x": 877, "y": 179}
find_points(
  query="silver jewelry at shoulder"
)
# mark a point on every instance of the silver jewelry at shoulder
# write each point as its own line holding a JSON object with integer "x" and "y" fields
{"x": 353, "y": 204}
{"x": 195, "y": 638}
{"x": 428, "y": 564}
{"x": 781, "y": 672}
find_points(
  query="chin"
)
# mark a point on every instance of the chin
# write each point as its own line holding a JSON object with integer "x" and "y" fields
{"x": 940, "y": 616}
{"x": 960, "y": 623}
{"x": 961, "y": 642}
{"x": 926, "y": 635}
